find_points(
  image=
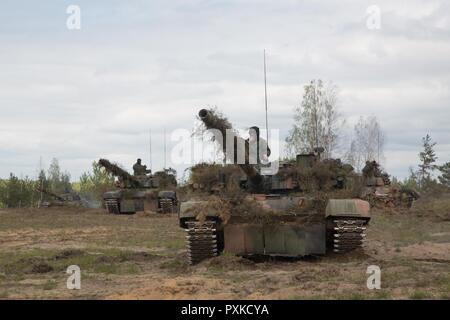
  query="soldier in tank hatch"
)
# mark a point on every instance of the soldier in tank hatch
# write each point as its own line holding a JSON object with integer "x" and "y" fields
{"x": 140, "y": 169}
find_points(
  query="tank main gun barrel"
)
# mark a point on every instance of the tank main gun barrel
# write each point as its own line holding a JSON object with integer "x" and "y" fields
{"x": 117, "y": 171}
{"x": 212, "y": 121}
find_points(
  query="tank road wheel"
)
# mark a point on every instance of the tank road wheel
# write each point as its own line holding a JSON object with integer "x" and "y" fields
{"x": 201, "y": 240}
{"x": 112, "y": 205}
{"x": 166, "y": 205}
{"x": 346, "y": 234}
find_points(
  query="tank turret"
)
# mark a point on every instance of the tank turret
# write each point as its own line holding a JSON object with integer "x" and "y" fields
{"x": 290, "y": 176}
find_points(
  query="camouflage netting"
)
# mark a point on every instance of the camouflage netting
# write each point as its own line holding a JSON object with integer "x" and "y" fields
{"x": 115, "y": 169}
{"x": 212, "y": 204}
{"x": 318, "y": 184}
{"x": 323, "y": 175}
{"x": 166, "y": 178}
{"x": 215, "y": 121}
{"x": 254, "y": 211}
{"x": 247, "y": 209}
{"x": 212, "y": 119}
{"x": 379, "y": 192}
{"x": 372, "y": 169}
{"x": 244, "y": 208}
{"x": 214, "y": 177}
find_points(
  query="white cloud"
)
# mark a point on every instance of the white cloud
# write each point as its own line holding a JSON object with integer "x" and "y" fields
{"x": 79, "y": 95}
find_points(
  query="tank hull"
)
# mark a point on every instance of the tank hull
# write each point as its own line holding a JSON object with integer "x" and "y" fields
{"x": 130, "y": 201}
{"x": 340, "y": 229}
{"x": 124, "y": 201}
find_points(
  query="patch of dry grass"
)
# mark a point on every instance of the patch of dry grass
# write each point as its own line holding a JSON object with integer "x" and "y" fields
{"x": 434, "y": 208}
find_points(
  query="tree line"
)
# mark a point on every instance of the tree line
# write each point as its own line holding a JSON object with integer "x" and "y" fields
{"x": 317, "y": 124}
{"x": 18, "y": 192}
{"x": 22, "y": 192}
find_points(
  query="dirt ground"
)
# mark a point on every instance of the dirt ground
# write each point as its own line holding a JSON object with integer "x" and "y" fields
{"x": 142, "y": 256}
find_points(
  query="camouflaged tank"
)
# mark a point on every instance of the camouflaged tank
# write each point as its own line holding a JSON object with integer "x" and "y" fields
{"x": 292, "y": 225}
{"x": 69, "y": 199}
{"x": 140, "y": 192}
{"x": 379, "y": 192}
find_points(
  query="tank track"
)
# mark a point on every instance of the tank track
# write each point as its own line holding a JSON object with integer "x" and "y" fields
{"x": 166, "y": 205}
{"x": 201, "y": 240}
{"x": 347, "y": 234}
{"x": 112, "y": 205}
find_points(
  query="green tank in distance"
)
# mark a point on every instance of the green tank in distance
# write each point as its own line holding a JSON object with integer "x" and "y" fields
{"x": 142, "y": 191}
{"x": 69, "y": 199}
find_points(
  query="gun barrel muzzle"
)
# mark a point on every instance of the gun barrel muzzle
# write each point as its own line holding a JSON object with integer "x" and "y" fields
{"x": 203, "y": 113}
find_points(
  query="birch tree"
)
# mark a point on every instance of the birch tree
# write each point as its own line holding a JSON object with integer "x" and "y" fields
{"x": 367, "y": 143}
{"x": 316, "y": 121}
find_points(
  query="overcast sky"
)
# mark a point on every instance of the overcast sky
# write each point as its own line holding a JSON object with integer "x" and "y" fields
{"x": 79, "y": 95}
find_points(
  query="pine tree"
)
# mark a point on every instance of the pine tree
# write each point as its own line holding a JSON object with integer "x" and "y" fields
{"x": 444, "y": 178}
{"x": 412, "y": 181}
{"x": 13, "y": 194}
{"x": 427, "y": 159}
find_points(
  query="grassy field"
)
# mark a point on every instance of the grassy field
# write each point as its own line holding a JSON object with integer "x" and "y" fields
{"x": 143, "y": 257}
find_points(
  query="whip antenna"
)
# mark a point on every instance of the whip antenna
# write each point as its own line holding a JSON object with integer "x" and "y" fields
{"x": 150, "y": 146}
{"x": 165, "y": 149}
{"x": 265, "y": 96}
